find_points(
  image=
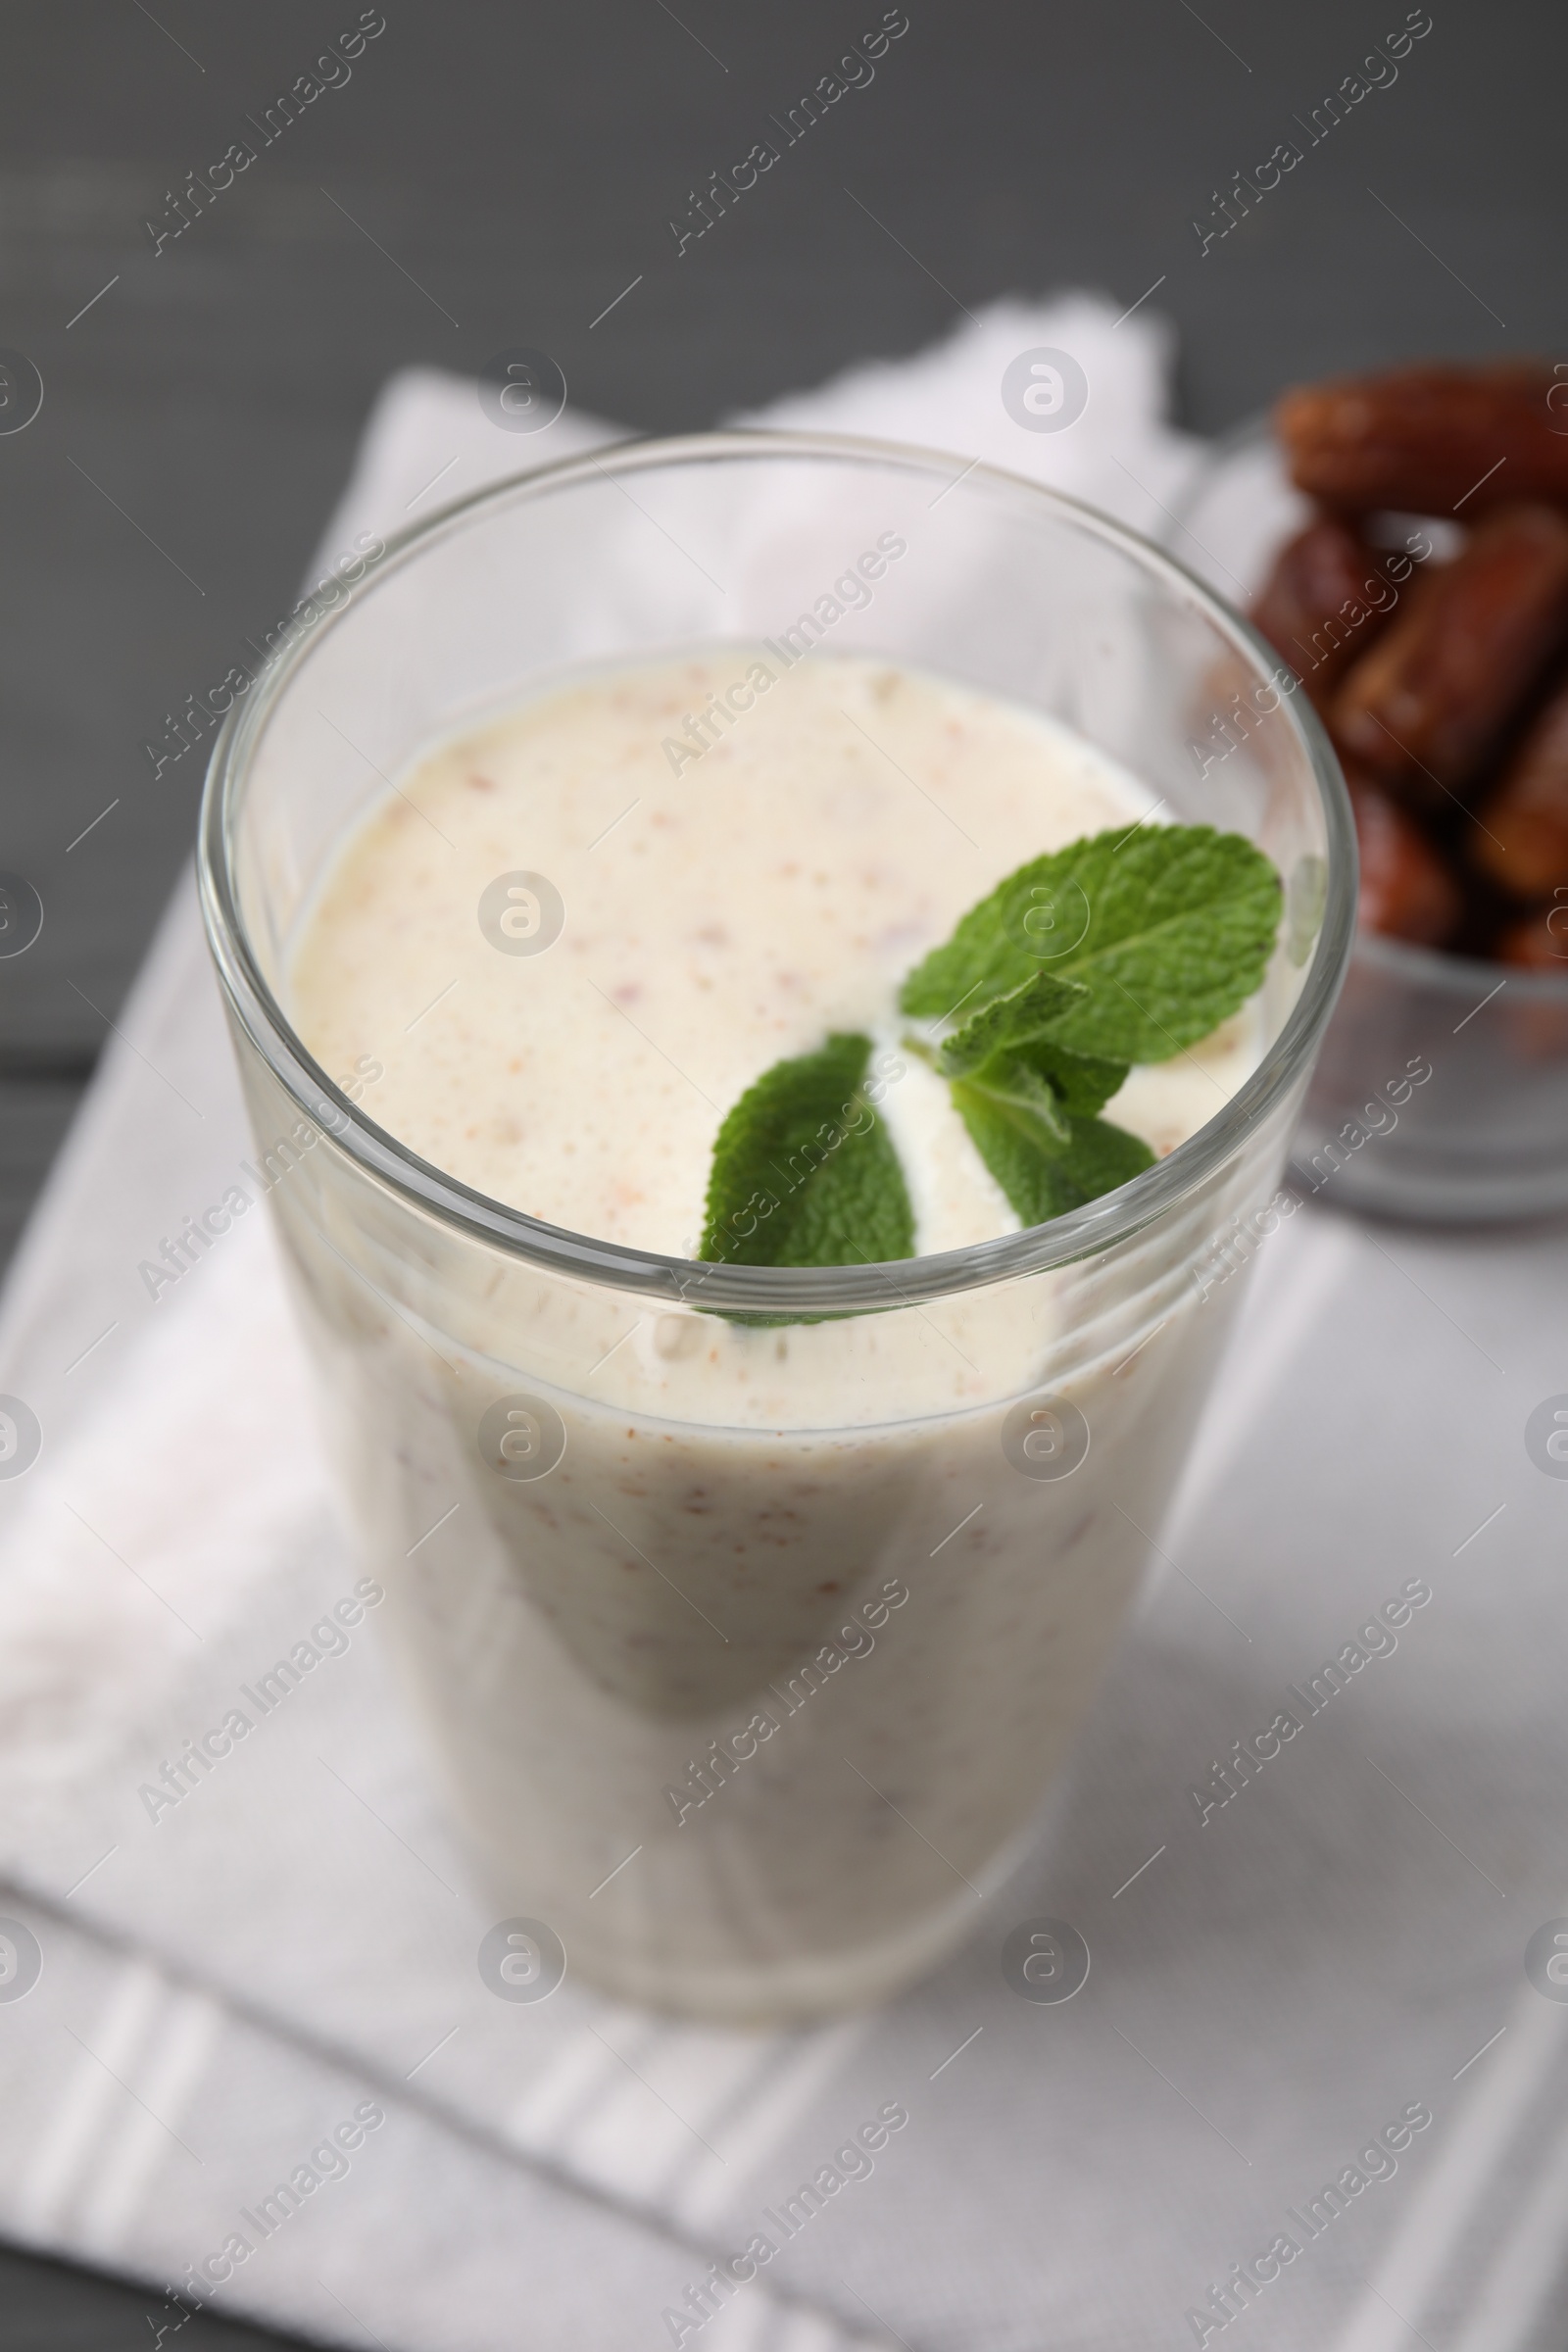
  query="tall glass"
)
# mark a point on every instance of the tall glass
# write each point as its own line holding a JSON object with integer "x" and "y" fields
{"x": 751, "y": 1720}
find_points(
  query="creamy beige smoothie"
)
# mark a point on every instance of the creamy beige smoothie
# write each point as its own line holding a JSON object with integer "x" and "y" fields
{"x": 712, "y": 921}
{"x": 750, "y": 1649}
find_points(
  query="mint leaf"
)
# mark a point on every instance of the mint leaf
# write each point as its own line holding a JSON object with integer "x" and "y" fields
{"x": 1170, "y": 928}
{"x": 1083, "y": 1081}
{"x": 804, "y": 1171}
{"x": 1008, "y": 1079}
{"x": 1127, "y": 945}
{"x": 1025, "y": 1013}
{"x": 1041, "y": 1181}
{"x": 1124, "y": 946}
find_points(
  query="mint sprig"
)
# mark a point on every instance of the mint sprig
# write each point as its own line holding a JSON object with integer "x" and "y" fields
{"x": 1168, "y": 928}
{"x": 1122, "y": 947}
{"x": 1044, "y": 1177}
{"x": 803, "y": 1173}
{"x": 1020, "y": 1017}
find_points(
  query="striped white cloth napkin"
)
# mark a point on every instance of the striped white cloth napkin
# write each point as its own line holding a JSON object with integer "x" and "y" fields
{"x": 259, "y": 2067}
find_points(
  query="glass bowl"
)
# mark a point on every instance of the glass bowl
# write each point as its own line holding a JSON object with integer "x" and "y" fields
{"x": 1441, "y": 1091}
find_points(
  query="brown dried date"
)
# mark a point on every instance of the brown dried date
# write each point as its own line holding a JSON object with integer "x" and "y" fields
{"x": 1524, "y": 843}
{"x": 1533, "y": 944}
{"x": 1324, "y": 602}
{"x": 1538, "y": 942}
{"x": 1426, "y": 704}
{"x": 1407, "y": 889}
{"x": 1429, "y": 440}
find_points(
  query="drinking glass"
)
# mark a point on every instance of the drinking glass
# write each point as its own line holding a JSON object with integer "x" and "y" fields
{"x": 749, "y": 1722}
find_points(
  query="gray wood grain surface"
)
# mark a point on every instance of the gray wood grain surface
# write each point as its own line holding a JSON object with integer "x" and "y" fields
{"x": 494, "y": 174}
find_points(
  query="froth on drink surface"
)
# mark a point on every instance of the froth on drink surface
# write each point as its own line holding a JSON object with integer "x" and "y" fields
{"x": 575, "y": 936}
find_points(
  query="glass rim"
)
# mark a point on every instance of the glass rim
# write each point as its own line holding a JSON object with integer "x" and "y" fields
{"x": 1452, "y": 975}
{"x": 786, "y": 1291}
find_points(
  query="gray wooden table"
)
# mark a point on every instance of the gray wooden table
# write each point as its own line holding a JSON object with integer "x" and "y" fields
{"x": 489, "y": 175}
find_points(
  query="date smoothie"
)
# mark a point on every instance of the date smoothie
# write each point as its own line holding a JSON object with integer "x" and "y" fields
{"x": 749, "y": 1646}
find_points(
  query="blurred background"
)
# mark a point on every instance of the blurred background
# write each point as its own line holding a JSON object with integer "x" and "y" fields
{"x": 493, "y": 176}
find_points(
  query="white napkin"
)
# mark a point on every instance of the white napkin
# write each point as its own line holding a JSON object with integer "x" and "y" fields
{"x": 235, "y": 1986}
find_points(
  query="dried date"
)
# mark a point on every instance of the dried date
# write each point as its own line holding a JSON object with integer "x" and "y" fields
{"x": 1407, "y": 891}
{"x": 1521, "y": 838}
{"x": 1428, "y": 702}
{"x": 1429, "y": 440}
{"x": 1537, "y": 943}
{"x": 1532, "y": 944}
{"x": 1324, "y": 602}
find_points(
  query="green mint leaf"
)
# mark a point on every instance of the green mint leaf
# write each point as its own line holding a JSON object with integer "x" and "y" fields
{"x": 1168, "y": 928}
{"x": 804, "y": 1171}
{"x": 1124, "y": 946}
{"x": 1025, "y": 1013}
{"x": 1084, "y": 1081}
{"x": 1008, "y": 1079}
{"x": 1043, "y": 1181}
